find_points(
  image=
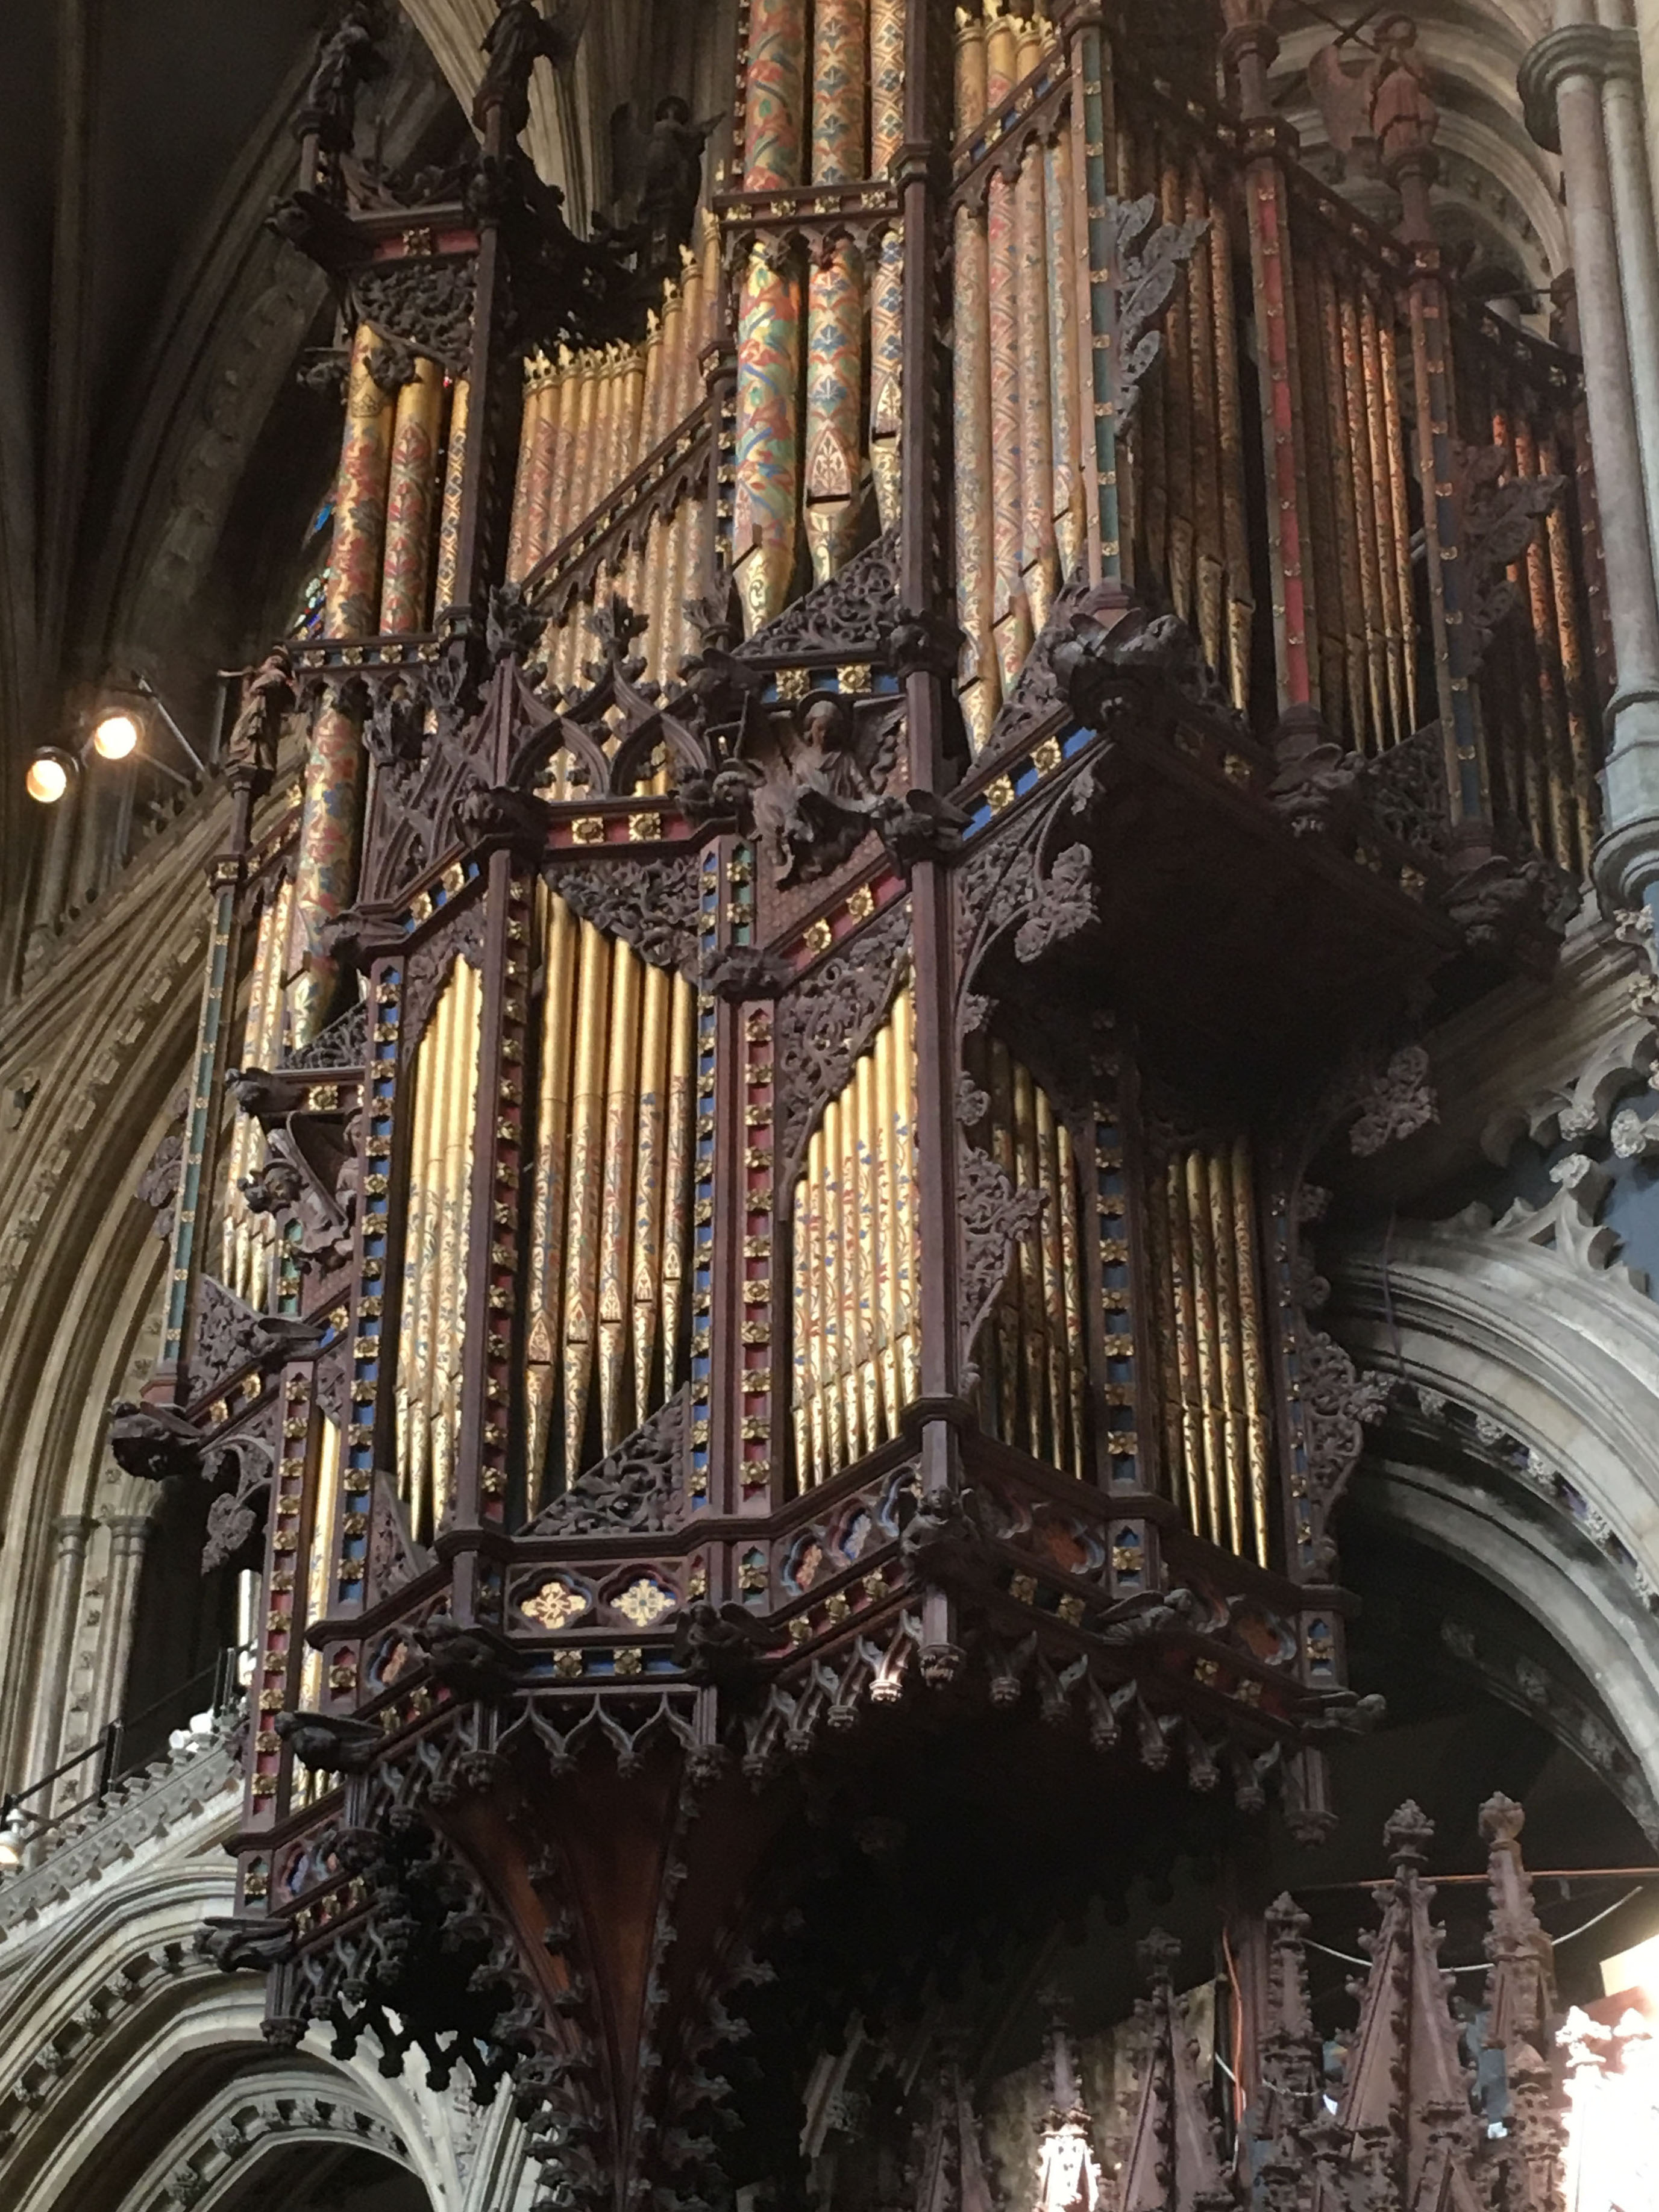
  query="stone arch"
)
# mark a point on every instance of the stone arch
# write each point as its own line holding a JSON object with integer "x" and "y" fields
{"x": 1555, "y": 1499}
{"x": 141, "y": 2081}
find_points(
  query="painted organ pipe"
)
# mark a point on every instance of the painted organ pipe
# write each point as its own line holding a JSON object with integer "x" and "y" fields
{"x": 329, "y": 820}
{"x": 1032, "y": 1357}
{"x": 406, "y": 568}
{"x": 887, "y": 284}
{"x": 432, "y": 1321}
{"x": 1214, "y": 1390}
{"x": 770, "y": 319}
{"x": 854, "y": 1341}
{"x": 248, "y": 1238}
{"x": 609, "y": 1196}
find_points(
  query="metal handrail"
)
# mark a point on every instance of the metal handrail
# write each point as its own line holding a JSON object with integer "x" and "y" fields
{"x": 107, "y": 1746}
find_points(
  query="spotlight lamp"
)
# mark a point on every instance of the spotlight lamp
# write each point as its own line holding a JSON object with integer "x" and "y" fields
{"x": 49, "y": 775}
{"x": 115, "y": 734}
{"x": 130, "y": 715}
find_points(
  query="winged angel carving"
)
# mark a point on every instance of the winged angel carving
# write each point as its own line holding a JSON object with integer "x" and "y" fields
{"x": 811, "y": 774}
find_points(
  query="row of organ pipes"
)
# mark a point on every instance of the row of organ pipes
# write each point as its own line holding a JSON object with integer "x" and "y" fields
{"x": 818, "y": 423}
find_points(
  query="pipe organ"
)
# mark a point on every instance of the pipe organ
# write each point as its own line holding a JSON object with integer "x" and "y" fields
{"x": 878, "y": 790}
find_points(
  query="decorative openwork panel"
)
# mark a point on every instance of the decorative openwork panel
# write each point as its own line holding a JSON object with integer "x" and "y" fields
{"x": 867, "y": 787}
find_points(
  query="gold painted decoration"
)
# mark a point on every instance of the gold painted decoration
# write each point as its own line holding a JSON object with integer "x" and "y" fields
{"x": 854, "y": 1354}
{"x": 247, "y": 1240}
{"x": 1214, "y": 1388}
{"x": 433, "y": 1318}
{"x": 411, "y": 496}
{"x": 610, "y": 1195}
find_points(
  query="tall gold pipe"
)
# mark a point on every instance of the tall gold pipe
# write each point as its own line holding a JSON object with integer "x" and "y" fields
{"x": 1064, "y": 403}
{"x": 1072, "y": 1284}
{"x": 661, "y": 339}
{"x": 1011, "y": 611}
{"x": 648, "y": 1189}
{"x": 681, "y": 397}
{"x": 587, "y": 370}
{"x": 1241, "y": 599}
{"x": 621, "y": 1141}
{"x": 1230, "y": 1341}
{"x": 1357, "y": 442}
{"x": 1186, "y": 1342}
{"x": 873, "y": 1242}
{"x": 1257, "y": 1399}
{"x": 449, "y": 1064}
{"x": 581, "y": 1273}
{"x": 970, "y": 367}
{"x": 1028, "y": 46}
{"x": 803, "y": 1349}
{"x": 1209, "y": 554}
{"x": 1328, "y": 616}
{"x": 1546, "y": 638}
{"x": 1179, "y": 430}
{"x": 904, "y": 1153}
{"x": 630, "y": 405}
{"x": 352, "y": 595}
{"x": 412, "y": 488}
{"x": 1400, "y": 513}
{"x": 1051, "y": 1233}
{"x": 1037, "y": 472}
{"x": 887, "y": 273}
{"x": 852, "y": 1275}
{"x": 679, "y": 1131}
{"x": 449, "y": 515}
{"x": 1202, "y": 1250}
{"x": 1001, "y": 53}
{"x": 835, "y": 1261}
{"x": 884, "y": 1204}
{"x": 810, "y": 1275}
{"x": 321, "y": 1564}
{"x": 428, "y": 1447}
{"x": 545, "y": 461}
{"x": 1388, "y": 551}
{"x": 1028, "y": 1175}
{"x": 245, "y": 1237}
{"x": 420, "y": 1277}
{"x": 1339, "y": 475}
{"x": 458, "y": 1191}
{"x": 970, "y": 70}
{"x": 557, "y": 929}
{"x": 535, "y": 394}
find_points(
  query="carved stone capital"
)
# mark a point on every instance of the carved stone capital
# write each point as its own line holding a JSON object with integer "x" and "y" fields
{"x": 1596, "y": 50}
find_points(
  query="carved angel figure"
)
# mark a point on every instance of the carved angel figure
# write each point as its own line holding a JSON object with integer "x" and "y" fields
{"x": 1404, "y": 116}
{"x": 667, "y": 163}
{"x": 267, "y": 697}
{"x": 347, "y": 59}
{"x": 817, "y": 770}
{"x": 521, "y": 36}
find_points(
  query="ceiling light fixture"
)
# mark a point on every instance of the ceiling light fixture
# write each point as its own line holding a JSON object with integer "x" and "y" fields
{"x": 49, "y": 774}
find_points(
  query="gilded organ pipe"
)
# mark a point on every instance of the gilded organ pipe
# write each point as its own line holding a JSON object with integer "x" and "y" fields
{"x": 406, "y": 568}
{"x": 433, "y": 1309}
{"x": 1215, "y": 1398}
{"x": 854, "y": 1269}
{"x": 246, "y": 1239}
{"x": 329, "y": 818}
{"x": 449, "y": 517}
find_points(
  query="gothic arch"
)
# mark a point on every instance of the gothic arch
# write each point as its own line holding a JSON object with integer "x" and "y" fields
{"x": 141, "y": 2082}
{"x": 1557, "y": 1501}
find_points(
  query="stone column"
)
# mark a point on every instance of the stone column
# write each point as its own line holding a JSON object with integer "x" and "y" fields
{"x": 129, "y": 1533}
{"x": 1639, "y": 246}
{"x": 1647, "y": 34}
{"x": 70, "y": 1535}
{"x": 1561, "y": 82}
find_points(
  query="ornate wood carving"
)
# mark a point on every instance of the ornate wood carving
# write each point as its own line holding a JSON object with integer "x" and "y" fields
{"x": 652, "y": 905}
{"x": 639, "y": 1488}
{"x": 460, "y": 937}
{"x": 827, "y": 1020}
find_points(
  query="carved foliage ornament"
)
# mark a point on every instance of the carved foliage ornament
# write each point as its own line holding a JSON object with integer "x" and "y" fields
{"x": 652, "y": 905}
{"x": 823, "y": 1024}
{"x": 1144, "y": 257}
{"x": 995, "y": 1218}
{"x": 635, "y": 1489}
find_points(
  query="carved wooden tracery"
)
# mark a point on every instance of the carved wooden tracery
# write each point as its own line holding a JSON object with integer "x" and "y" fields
{"x": 885, "y": 1086}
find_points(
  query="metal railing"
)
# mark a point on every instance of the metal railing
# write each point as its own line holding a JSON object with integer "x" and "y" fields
{"x": 108, "y": 1757}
